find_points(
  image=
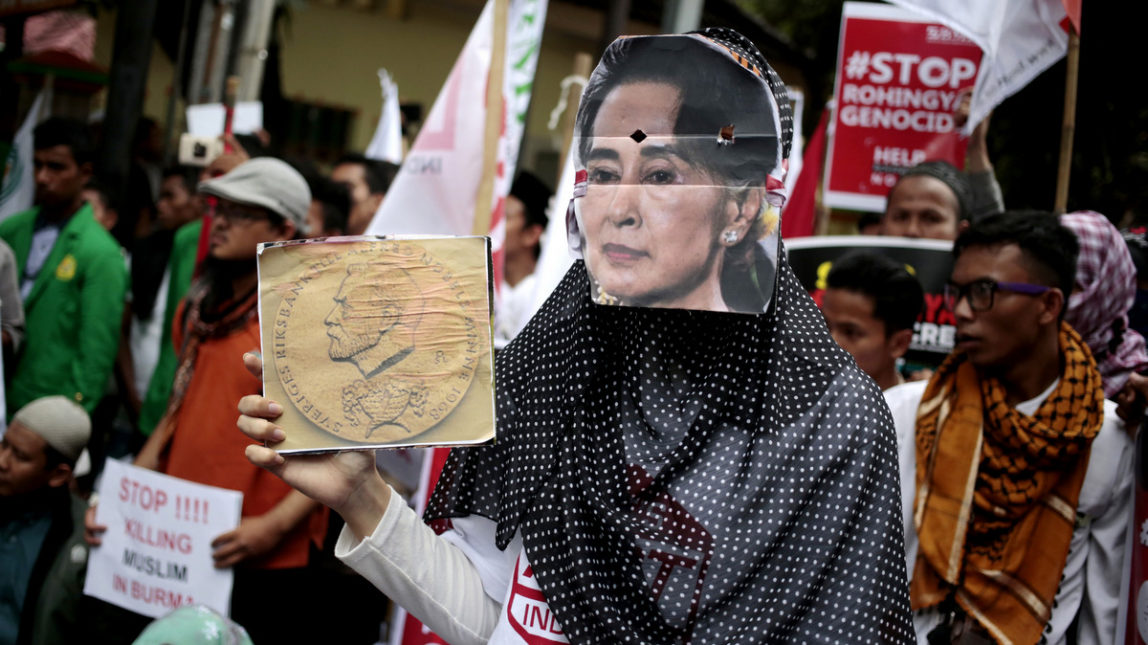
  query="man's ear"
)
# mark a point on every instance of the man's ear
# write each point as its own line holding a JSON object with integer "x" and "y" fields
{"x": 289, "y": 229}
{"x": 1054, "y": 303}
{"x": 532, "y": 235}
{"x": 898, "y": 343}
{"x": 375, "y": 200}
{"x": 962, "y": 226}
{"x": 60, "y": 475}
{"x": 86, "y": 171}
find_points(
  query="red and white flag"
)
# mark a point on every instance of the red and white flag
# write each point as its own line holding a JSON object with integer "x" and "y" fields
{"x": 1020, "y": 39}
{"x": 799, "y": 216}
{"x": 404, "y": 628}
{"x": 438, "y": 183}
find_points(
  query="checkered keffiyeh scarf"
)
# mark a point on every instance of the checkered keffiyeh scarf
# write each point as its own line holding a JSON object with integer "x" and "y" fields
{"x": 1106, "y": 289}
{"x": 997, "y": 491}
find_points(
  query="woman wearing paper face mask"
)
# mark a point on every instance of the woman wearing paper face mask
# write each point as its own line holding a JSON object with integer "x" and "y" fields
{"x": 660, "y": 476}
{"x": 680, "y": 204}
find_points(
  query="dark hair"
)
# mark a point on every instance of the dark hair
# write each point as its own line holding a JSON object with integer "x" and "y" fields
{"x": 868, "y": 219}
{"x": 188, "y": 175}
{"x": 1050, "y": 247}
{"x": 950, "y": 176}
{"x": 715, "y": 92}
{"x": 58, "y": 131}
{"x": 107, "y": 194}
{"x": 377, "y": 174}
{"x": 534, "y": 195}
{"x": 1137, "y": 243}
{"x": 897, "y": 296}
{"x": 253, "y": 146}
{"x": 335, "y": 199}
{"x": 53, "y": 458}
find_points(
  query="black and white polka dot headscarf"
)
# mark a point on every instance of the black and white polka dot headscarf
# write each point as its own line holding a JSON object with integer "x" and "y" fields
{"x": 684, "y": 476}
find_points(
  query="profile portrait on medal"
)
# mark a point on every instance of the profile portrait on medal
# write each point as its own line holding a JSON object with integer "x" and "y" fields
{"x": 372, "y": 324}
{"x": 374, "y": 341}
{"x": 673, "y": 209}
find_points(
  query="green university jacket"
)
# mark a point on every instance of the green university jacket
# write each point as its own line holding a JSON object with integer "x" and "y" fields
{"x": 72, "y": 313}
{"x": 182, "y": 265}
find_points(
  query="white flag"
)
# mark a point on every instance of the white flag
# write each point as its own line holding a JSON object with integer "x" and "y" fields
{"x": 1020, "y": 39}
{"x": 436, "y": 187}
{"x": 555, "y": 259}
{"x": 18, "y": 188}
{"x": 387, "y": 144}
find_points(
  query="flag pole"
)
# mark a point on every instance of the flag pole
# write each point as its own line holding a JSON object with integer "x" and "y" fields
{"x": 494, "y": 110}
{"x": 1068, "y": 128}
{"x": 583, "y": 65}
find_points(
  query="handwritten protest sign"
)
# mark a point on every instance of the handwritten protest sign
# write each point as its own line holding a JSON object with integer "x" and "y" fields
{"x": 899, "y": 78}
{"x": 931, "y": 261}
{"x": 156, "y": 554}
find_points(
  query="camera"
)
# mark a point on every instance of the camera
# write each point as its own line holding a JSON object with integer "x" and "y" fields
{"x": 198, "y": 151}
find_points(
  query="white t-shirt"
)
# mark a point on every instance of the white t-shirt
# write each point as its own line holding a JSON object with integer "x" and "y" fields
{"x": 1095, "y": 565}
{"x": 146, "y": 336}
{"x": 515, "y": 309}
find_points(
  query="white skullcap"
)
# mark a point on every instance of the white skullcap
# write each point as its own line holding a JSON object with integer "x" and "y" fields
{"x": 60, "y": 422}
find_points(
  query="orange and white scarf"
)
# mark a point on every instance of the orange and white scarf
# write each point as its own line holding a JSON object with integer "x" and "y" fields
{"x": 997, "y": 491}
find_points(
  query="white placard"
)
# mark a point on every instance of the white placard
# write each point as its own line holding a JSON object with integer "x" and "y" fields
{"x": 206, "y": 119}
{"x": 156, "y": 553}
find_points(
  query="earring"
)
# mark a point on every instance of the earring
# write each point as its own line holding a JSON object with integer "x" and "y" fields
{"x": 729, "y": 237}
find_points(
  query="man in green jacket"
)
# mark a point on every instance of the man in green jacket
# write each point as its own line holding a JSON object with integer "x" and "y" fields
{"x": 72, "y": 276}
{"x": 182, "y": 269}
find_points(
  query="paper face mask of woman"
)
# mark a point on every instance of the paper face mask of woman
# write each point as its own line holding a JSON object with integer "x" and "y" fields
{"x": 673, "y": 215}
{"x": 658, "y": 224}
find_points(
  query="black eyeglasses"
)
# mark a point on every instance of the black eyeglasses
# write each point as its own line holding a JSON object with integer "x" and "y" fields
{"x": 980, "y": 292}
{"x": 239, "y": 213}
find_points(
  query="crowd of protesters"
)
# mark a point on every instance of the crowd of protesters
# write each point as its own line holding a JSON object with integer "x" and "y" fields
{"x": 123, "y": 337}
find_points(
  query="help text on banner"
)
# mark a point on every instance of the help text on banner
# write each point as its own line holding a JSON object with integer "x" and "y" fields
{"x": 156, "y": 553}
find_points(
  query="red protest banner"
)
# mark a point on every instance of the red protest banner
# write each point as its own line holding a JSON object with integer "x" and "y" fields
{"x": 899, "y": 78}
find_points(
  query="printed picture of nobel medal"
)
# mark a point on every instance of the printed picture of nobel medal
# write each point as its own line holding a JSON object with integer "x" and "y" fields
{"x": 373, "y": 342}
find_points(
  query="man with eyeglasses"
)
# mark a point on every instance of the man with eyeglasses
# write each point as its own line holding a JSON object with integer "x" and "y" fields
{"x": 261, "y": 200}
{"x": 1016, "y": 472}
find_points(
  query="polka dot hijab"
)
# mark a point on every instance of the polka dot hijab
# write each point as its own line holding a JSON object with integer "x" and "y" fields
{"x": 687, "y": 476}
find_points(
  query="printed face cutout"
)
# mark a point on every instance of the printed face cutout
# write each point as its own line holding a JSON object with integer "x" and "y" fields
{"x": 678, "y": 196}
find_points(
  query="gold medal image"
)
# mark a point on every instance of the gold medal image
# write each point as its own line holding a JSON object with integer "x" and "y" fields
{"x": 378, "y": 342}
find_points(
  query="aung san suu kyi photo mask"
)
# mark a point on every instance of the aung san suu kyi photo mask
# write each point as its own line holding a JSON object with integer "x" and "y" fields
{"x": 680, "y": 151}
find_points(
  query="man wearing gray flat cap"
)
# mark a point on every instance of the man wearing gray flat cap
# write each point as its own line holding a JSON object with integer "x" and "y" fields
{"x": 42, "y": 550}
{"x": 261, "y": 200}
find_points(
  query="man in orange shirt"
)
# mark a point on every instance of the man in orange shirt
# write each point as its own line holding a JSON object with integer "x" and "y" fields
{"x": 261, "y": 200}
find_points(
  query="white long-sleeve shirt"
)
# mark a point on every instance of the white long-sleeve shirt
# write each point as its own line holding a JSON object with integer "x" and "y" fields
{"x": 460, "y": 584}
{"x": 1095, "y": 565}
